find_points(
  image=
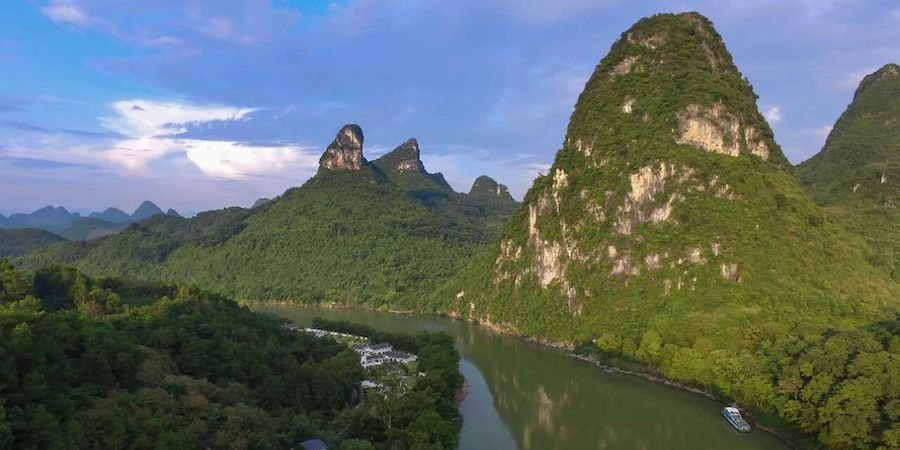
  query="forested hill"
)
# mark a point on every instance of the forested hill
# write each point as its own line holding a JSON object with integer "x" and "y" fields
{"x": 670, "y": 230}
{"x": 111, "y": 364}
{"x": 383, "y": 232}
{"x": 18, "y": 241}
{"x": 857, "y": 173}
{"x": 860, "y": 161}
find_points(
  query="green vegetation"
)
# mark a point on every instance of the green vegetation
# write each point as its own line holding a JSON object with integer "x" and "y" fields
{"x": 670, "y": 233}
{"x": 88, "y": 228}
{"x": 863, "y": 145}
{"x": 642, "y": 244}
{"x": 422, "y": 410}
{"x": 857, "y": 173}
{"x": 347, "y": 236}
{"x": 88, "y": 363}
{"x": 18, "y": 241}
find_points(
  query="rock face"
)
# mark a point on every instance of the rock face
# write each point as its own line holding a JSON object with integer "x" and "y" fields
{"x": 668, "y": 195}
{"x": 406, "y": 157}
{"x": 486, "y": 187}
{"x": 404, "y": 167}
{"x": 345, "y": 152}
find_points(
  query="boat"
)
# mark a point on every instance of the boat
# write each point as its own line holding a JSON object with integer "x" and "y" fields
{"x": 733, "y": 417}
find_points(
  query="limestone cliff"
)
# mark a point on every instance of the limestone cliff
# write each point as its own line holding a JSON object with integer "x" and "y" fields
{"x": 670, "y": 205}
{"x": 345, "y": 152}
{"x": 403, "y": 165}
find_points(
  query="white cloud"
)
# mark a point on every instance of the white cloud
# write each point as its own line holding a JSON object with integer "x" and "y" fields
{"x": 151, "y": 129}
{"x": 67, "y": 11}
{"x": 773, "y": 114}
{"x": 234, "y": 161}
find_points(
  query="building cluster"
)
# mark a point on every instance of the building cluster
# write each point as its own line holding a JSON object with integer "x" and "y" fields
{"x": 370, "y": 355}
{"x": 318, "y": 332}
{"x": 377, "y": 354}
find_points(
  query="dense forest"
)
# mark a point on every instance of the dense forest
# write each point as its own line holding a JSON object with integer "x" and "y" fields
{"x": 103, "y": 363}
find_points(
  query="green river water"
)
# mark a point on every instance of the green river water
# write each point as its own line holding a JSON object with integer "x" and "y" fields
{"x": 524, "y": 396}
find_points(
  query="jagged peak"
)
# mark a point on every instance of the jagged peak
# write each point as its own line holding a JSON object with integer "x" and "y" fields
{"x": 406, "y": 157}
{"x": 346, "y": 151}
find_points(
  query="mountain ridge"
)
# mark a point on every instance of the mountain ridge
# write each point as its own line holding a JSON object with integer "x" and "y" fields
{"x": 73, "y": 225}
{"x": 354, "y": 232}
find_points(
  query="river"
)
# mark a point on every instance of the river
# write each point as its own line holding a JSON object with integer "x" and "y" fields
{"x": 525, "y": 396}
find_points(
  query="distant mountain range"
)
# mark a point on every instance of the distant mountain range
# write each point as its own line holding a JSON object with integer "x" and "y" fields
{"x": 74, "y": 226}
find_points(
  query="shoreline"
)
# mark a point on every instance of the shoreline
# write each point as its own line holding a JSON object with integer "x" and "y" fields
{"x": 554, "y": 345}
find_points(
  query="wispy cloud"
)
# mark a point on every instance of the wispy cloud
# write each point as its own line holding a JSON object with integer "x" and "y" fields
{"x": 68, "y": 11}
{"x": 773, "y": 114}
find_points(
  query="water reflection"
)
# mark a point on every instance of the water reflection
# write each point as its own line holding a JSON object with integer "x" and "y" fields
{"x": 529, "y": 397}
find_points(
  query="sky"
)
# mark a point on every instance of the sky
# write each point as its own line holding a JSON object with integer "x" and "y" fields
{"x": 199, "y": 105}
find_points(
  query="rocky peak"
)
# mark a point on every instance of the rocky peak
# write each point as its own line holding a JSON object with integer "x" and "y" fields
{"x": 486, "y": 187}
{"x": 405, "y": 158}
{"x": 345, "y": 152}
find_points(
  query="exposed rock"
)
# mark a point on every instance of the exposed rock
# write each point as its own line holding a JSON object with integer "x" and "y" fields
{"x": 646, "y": 183}
{"x": 731, "y": 272}
{"x": 406, "y": 157}
{"x": 718, "y": 131}
{"x": 627, "y": 106}
{"x": 623, "y": 67}
{"x": 345, "y": 153}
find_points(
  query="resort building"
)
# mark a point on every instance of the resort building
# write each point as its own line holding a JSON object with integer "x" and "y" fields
{"x": 372, "y": 360}
{"x": 400, "y": 357}
{"x": 380, "y": 349}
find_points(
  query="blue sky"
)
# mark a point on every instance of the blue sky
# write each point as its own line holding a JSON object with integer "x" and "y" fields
{"x": 204, "y": 104}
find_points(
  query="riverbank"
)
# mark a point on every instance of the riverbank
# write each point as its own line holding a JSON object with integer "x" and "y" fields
{"x": 628, "y": 368}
